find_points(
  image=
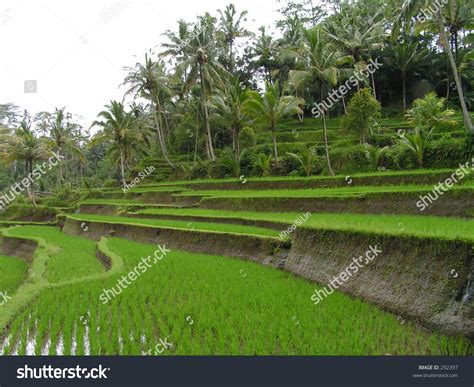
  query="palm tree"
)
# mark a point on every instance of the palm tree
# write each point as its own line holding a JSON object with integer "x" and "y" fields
{"x": 229, "y": 103}
{"x": 24, "y": 146}
{"x": 406, "y": 55}
{"x": 445, "y": 42}
{"x": 426, "y": 115}
{"x": 265, "y": 49}
{"x": 306, "y": 158}
{"x": 60, "y": 134}
{"x": 319, "y": 60}
{"x": 121, "y": 130}
{"x": 412, "y": 8}
{"x": 356, "y": 31}
{"x": 149, "y": 80}
{"x": 271, "y": 107}
{"x": 230, "y": 26}
{"x": 200, "y": 66}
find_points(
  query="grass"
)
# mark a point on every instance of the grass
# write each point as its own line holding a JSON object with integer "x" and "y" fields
{"x": 212, "y": 305}
{"x": 420, "y": 226}
{"x": 74, "y": 257}
{"x": 413, "y": 173}
{"x": 118, "y": 202}
{"x": 181, "y": 225}
{"x": 320, "y": 192}
{"x": 12, "y": 273}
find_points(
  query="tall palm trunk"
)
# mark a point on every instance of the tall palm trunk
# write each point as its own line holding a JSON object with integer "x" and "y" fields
{"x": 326, "y": 145}
{"x": 275, "y": 147}
{"x": 60, "y": 174}
{"x": 444, "y": 38}
{"x": 404, "y": 90}
{"x": 122, "y": 169}
{"x": 373, "y": 84}
{"x": 237, "y": 141}
{"x": 30, "y": 189}
{"x": 161, "y": 140}
{"x": 197, "y": 136}
{"x": 212, "y": 155}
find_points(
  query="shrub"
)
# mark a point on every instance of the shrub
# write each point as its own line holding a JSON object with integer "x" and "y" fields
{"x": 363, "y": 108}
{"x": 65, "y": 196}
{"x": 306, "y": 160}
{"x": 263, "y": 164}
{"x": 247, "y": 137}
{"x": 351, "y": 159}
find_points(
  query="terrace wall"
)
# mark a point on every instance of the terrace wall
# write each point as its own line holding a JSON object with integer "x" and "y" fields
{"x": 452, "y": 203}
{"x": 17, "y": 247}
{"x": 270, "y": 251}
{"x": 419, "y": 278}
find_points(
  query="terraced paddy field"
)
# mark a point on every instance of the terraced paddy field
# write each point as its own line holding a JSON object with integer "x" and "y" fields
{"x": 240, "y": 264}
{"x": 206, "y": 304}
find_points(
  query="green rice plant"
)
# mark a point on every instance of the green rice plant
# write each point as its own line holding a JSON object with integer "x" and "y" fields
{"x": 12, "y": 273}
{"x": 179, "y": 224}
{"x": 264, "y": 312}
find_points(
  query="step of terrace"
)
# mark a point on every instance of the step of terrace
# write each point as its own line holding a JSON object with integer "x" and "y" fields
{"x": 412, "y": 275}
{"x": 264, "y": 249}
{"x": 113, "y": 209}
{"x": 452, "y": 203}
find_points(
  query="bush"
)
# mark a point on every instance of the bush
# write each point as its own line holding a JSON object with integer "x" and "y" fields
{"x": 448, "y": 153}
{"x": 247, "y": 138}
{"x": 351, "y": 159}
{"x": 363, "y": 108}
{"x": 65, "y": 196}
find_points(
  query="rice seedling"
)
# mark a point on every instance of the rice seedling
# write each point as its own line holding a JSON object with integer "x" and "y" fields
{"x": 203, "y": 305}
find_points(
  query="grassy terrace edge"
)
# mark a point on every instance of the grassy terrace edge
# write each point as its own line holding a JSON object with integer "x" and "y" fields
{"x": 203, "y": 227}
{"x": 393, "y": 225}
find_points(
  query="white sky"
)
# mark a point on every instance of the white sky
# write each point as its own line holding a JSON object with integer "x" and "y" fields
{"x": 76, "y": 49}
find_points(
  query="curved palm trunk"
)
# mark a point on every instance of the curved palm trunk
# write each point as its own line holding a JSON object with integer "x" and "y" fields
{"x": 212, "y": 155}
{"x": 373, "y": 84}
{"x": 326, "y": 145}
{"x": 161, "y": 139}
{"x": 444, "y": 37}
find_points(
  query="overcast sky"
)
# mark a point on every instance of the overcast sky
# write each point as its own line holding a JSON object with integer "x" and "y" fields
{"x": 75, "y": 50}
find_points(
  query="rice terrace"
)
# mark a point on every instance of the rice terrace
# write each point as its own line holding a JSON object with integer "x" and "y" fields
{"x": 211, "y": 211}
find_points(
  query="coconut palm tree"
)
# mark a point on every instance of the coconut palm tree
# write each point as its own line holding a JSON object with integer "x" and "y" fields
{"x": 318, "y": 63}
{"x": 229, "y": 104}
{"x": 357, "y": 31}
{"x": 437, "y": 24}
{"x": 230, "y": 26}
{"x": 149, "y": 80}
{"x": 121, "y": 130}
{"x": 201, "y": 67}
{"x": 60, "y": 135}
{"x": 24, "y": 146}
{"x": 405, "y": 56}
{"x": 271, "y": 107}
